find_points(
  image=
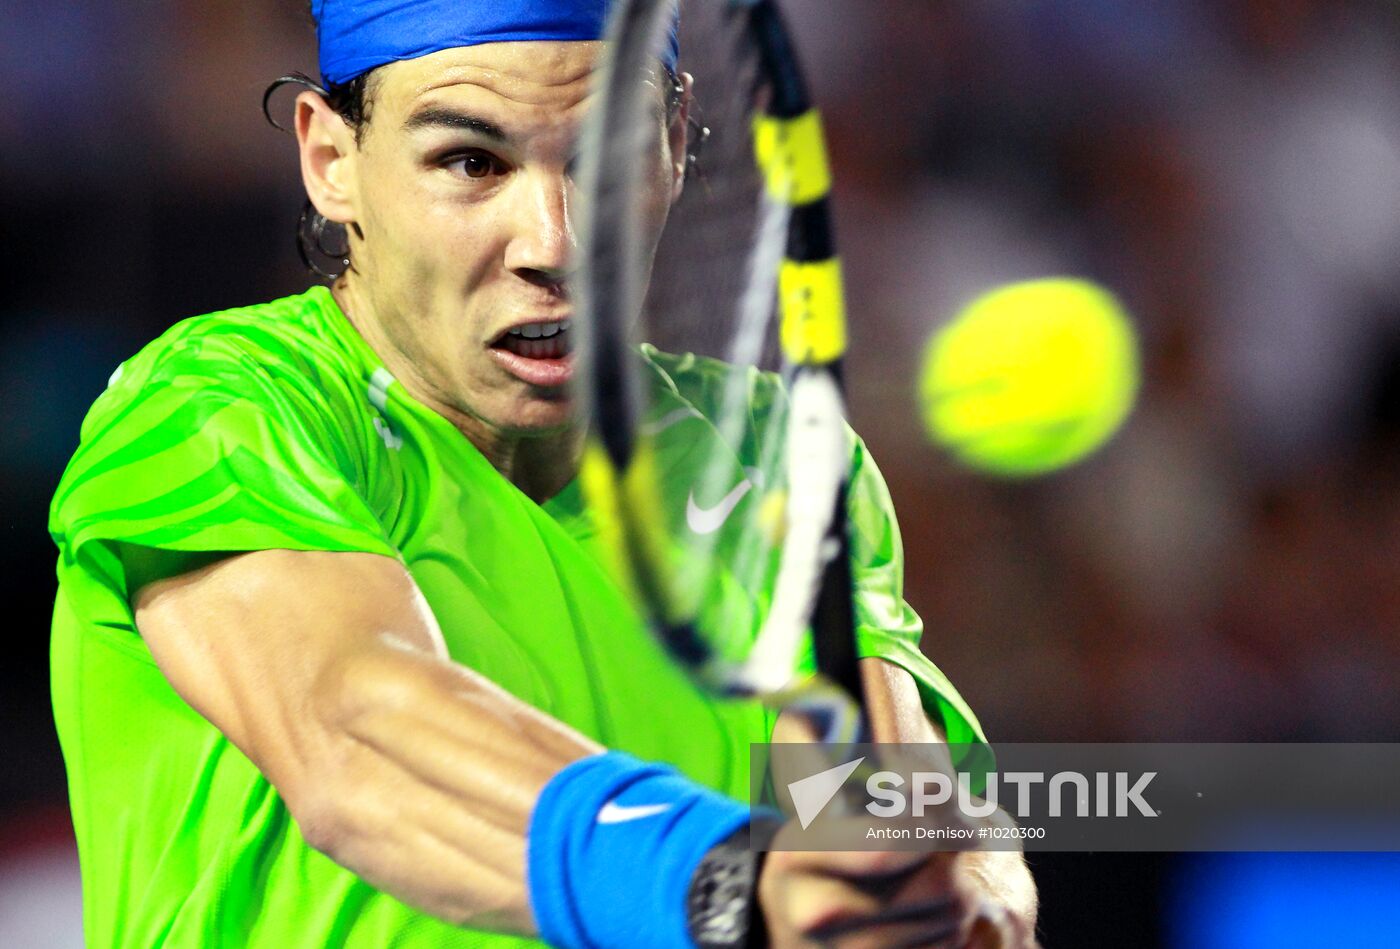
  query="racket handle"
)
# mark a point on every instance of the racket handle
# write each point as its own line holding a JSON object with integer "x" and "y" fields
{"x": 833, "y": 621}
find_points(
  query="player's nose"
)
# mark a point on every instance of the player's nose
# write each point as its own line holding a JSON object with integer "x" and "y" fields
{"x": 542, "y": 246}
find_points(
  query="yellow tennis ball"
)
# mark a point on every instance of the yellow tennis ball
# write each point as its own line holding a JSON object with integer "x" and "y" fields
{"x": 1030, "y": 377}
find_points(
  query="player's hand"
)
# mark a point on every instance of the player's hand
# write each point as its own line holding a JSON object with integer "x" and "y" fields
{"x": 878, "y": 899}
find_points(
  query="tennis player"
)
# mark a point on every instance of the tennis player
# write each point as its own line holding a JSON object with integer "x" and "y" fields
{"x": 334, "y": 663}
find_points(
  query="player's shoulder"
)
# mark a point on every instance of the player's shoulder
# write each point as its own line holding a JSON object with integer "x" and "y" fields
{"x": 707, "y": 383}
{"x": 291, "y": 336}
{"x": 290, "y": 354}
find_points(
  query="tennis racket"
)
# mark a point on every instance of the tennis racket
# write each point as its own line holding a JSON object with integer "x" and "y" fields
{"x": 749, "y": 274}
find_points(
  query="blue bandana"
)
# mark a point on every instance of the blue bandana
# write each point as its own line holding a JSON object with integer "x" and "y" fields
{"x": 358, "y": 35}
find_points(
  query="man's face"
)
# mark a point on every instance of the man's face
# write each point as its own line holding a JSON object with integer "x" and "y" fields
{"x": 463, "y": 197}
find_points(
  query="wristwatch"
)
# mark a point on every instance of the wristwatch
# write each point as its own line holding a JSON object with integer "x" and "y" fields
{"x": 722, "y": 903}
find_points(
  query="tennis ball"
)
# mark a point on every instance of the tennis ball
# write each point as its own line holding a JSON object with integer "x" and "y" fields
{"x": 1030, "y": 377}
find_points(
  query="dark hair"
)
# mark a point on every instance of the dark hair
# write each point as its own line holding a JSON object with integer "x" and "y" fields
{"x": 353, "y": 102}
{"x": 350, "y": 100}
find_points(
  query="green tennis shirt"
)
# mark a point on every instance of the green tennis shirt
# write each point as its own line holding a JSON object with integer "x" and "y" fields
{"x": 276, "y": 426}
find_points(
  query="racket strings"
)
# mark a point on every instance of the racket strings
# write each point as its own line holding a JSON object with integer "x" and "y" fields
{"x": 708, "y": 522}
{"x": 713, "y": 293}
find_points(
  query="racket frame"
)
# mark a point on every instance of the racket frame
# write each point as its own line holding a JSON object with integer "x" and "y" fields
{"x": 815, "y": 586}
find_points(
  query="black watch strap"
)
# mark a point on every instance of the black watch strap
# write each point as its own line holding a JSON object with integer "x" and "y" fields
{"x": 722, "y": 904}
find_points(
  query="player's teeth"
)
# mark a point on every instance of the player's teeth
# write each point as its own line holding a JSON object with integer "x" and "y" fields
{"x": 540, "y": 330}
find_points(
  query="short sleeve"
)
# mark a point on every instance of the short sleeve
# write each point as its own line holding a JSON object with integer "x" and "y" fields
{"x": 200, "y": 448}
{"x": 886, "y": 626}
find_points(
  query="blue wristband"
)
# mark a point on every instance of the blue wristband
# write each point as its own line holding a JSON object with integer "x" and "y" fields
{"x": 613, "y": 844}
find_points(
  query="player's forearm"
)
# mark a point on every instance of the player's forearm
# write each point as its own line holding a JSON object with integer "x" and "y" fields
{"x": 426, "y": 784}
{"x": 329, "y": 672}
{"x": 434, "y": 778}
{"x": 1001, "y": 879}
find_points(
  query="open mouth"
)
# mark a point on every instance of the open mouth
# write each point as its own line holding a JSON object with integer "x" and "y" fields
{"x": 538, "y": 340}
{"x": 537, "y": 353}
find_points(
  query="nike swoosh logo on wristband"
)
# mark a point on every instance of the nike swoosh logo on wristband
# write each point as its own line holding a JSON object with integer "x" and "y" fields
{"x": 614, "y": 813}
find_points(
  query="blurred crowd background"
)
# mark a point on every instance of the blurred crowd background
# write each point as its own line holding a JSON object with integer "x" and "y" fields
{"x": 1227, "y": 569}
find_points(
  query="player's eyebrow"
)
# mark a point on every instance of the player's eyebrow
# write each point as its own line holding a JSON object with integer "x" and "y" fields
{"x": 437, "y": 116}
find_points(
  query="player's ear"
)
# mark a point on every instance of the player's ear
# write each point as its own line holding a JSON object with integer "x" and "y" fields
{"x": 328, "y": 151}
{"x": 679, "y": 133}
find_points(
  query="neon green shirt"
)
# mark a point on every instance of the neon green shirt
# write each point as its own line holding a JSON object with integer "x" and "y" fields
{"x": 276, "y": 426}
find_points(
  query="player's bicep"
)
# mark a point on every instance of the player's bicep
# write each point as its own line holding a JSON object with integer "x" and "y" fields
{"x": 262, "y": 644}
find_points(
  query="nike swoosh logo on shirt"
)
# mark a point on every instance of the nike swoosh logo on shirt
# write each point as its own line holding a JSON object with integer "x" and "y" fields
{"x": 614, "y": 813}
{"x": 707, "y": 520}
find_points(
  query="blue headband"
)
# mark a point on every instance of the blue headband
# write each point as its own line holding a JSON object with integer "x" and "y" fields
{"x": 357, "y": 35}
